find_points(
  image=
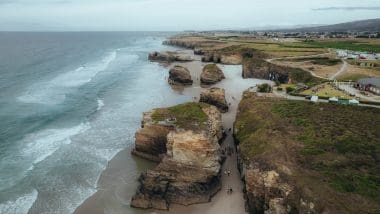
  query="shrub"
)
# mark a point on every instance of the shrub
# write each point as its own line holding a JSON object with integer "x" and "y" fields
{"x": 264, "y": 88}
{"x": 289, "y": 90}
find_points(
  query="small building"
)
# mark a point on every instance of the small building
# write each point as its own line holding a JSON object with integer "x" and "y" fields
{"x": 314, "y": 99}
{"x": 333, "y": 100}
{"x": 366, "y": 64}
{"x": 369, "y": 84}
{"x": 353, "y": 102}
{"x": 343, "y": 101}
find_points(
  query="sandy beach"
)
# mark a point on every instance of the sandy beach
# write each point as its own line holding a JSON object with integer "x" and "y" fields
{"x": 113, "y": 196}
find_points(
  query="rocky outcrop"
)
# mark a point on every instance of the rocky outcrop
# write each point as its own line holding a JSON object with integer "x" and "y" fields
{"x": 227, "y": 59}
{"x": 191, "y": 42}
{"x": 211, "y": 74}
{"x": 189, "y": 171}
{"x": 168, "y": 57}
{"x": 215, "y": 97}
{"x": 259, "y": 68}
{"x": 179, "y": 75}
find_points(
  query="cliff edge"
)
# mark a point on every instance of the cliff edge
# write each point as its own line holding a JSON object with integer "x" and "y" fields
{"x": 184, "y": 139}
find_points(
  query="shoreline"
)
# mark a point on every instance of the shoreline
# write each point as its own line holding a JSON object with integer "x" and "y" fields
{"x": 112, "y": 193}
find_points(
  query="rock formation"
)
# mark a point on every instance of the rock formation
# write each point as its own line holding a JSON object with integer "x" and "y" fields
{"x": 211, "y": 74}
{"x": 227, "y": 59}
{"x": 191, "y": 43}
{"x": 215, "y": 97}
{"x": 179, "y": 75}
{"x": 259, "y": 68}
{"x": 168, "y": 57}
{"x": 189, "y": 171}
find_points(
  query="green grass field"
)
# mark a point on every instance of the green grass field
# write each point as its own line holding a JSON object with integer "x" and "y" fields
{"x": 348, "y": 45}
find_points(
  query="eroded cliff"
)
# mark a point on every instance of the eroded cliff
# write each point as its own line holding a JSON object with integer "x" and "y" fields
{"x": 185, "y": 139}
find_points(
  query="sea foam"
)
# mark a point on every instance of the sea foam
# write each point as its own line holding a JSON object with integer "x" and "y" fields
{"x": 54, "y": 91}
{"x": 42, "y": 144}
{"x": 20, "y": 205}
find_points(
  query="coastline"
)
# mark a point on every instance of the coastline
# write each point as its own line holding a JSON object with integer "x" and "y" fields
{"x": 112, "y": 193}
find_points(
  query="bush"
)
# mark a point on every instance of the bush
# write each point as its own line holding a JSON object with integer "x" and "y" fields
{"x": 279, "y": 89}
{"x": 289, "y": 90}
{"x": 264, "y": 88}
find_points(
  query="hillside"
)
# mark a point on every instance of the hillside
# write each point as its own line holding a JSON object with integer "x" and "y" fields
{"x": 310, "y": 158}
{"x": 372, "y": 25}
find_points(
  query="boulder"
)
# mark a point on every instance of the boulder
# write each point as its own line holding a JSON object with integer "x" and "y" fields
{"x": 215, "y": 97}
{"x": 179, "y": 75}
{"x": 211, "y": 74}
{"x": 189, "y": 171}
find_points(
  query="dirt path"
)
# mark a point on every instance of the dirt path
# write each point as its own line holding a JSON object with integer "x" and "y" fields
{"x": 340, "y": 71}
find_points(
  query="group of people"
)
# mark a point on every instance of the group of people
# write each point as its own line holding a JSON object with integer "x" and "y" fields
{"x": 229, "y": 191}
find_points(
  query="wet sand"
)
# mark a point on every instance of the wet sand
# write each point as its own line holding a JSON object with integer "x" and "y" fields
{"x": 113, "y": 195}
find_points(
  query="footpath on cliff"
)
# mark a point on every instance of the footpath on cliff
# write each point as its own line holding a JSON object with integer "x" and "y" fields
{"x": 234, "y": 85}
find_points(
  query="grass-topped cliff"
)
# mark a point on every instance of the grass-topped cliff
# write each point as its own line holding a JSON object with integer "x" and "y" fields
{"x": 328, "y": 153}
{"x": 188, "y": 115}
{"x": 255, "y": 67}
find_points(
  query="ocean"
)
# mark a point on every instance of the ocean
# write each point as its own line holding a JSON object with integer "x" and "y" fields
{"x": 69, "y": 102}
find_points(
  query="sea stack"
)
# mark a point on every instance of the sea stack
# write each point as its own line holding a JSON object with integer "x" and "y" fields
{"x": 216, "y": 97}
{"x": 179, "y": 75}
{"x": 211, "y": 74}
{"x": 185, "y": 141}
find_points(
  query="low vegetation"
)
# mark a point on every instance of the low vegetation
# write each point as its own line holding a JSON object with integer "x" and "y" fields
{"x": 264, "y": 88}
{"x": 187, "y": 115}
{"x": 319, "y": 60}
{"x": 352, "y": 77}
{"x": 211, "y": 67}
{"x": 332, "y": 149}
{"x": 346, "y": 45}
{"x": 326, "y": 90}
{"x": 298, "y": 75}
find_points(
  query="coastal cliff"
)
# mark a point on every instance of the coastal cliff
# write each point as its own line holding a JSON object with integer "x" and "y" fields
{"x": 212, "y": 50}
{"x": 293, "y": 160}
{"x": 167, "y": 57}
{"x": 185, "y": 141}
{"x": 259, "y": 68}
{"x": 256, "y": 67}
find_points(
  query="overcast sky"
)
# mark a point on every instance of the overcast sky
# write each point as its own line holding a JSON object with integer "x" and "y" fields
{"x": 178, "y": 14}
